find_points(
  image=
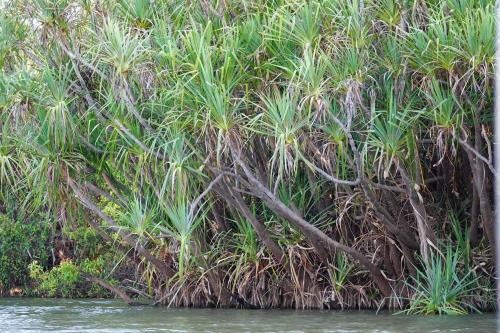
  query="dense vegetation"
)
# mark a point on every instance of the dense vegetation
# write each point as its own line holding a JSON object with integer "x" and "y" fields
{"x": 303, "y": 154}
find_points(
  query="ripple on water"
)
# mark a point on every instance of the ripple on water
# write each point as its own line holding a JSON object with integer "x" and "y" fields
{"x": 89, "y": 316}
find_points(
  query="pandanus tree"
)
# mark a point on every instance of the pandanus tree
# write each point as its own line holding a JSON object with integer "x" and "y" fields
{"x": 301, "y": 148}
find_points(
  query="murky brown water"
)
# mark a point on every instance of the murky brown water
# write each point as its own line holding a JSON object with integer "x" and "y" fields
{"x": 63, "y": 315}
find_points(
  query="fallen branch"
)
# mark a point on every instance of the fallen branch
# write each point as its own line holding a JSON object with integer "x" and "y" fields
{"x": 114, "y": 290}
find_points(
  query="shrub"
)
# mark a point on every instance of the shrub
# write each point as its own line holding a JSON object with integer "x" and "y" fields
{"x": 66, "y": 279}
{"x": 442, "y": 287}
{"x": 20, "y": 243}
{"x": 61, "y": 280}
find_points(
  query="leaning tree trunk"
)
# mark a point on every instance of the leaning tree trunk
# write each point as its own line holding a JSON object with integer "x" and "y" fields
{"x": 234, "y": 199}
{"x": 165, "y": 271}
{"x": 310, "y": 231}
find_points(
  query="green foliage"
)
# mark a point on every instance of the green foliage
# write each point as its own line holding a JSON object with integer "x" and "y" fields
{"x": 12, "y": 33}
{"x": 59, "y": 281}
{"x": 339, "y": 272}
{"x": 442, "y": 286}
{"x": 139, "y": 11}
{"x": 87, "y": 242}
{"x": 181, "y": 226}
{"x": 462, "y": 241}
{"x": 20, "y": 243}
{"x": 246, "y": 242}
{"x": 121, "y": 48}
{"x": 111, "y": 209}
{"x": 93, "y": 267}
{"x": 66, "y": 280}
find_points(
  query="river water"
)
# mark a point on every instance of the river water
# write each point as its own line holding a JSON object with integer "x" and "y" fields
{"x": 63, "y": 315}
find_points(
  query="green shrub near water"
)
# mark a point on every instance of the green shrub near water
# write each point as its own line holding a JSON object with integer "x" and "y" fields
{"x": 442, "y": 286}
{"x": 25, "y": 249}
{"x": 58, "y": 281}
{"x": 66, "y": 279}
{"x": 20, "y": 244}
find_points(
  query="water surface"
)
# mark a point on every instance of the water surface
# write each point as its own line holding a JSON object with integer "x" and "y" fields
{"x": 63, "y": 315}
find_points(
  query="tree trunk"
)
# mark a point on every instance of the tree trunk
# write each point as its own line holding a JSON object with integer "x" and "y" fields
{"x": 234, "y": 198}
{"x": 310, "y": 231}
{"x": 115, "y": 290}
{"x": 479, "y": 178}
{"x": 425, "y": 232}
{"x": 164, "y": 270}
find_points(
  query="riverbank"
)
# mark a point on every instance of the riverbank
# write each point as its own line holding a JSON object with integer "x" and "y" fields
{"x": 89, "y": 269}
